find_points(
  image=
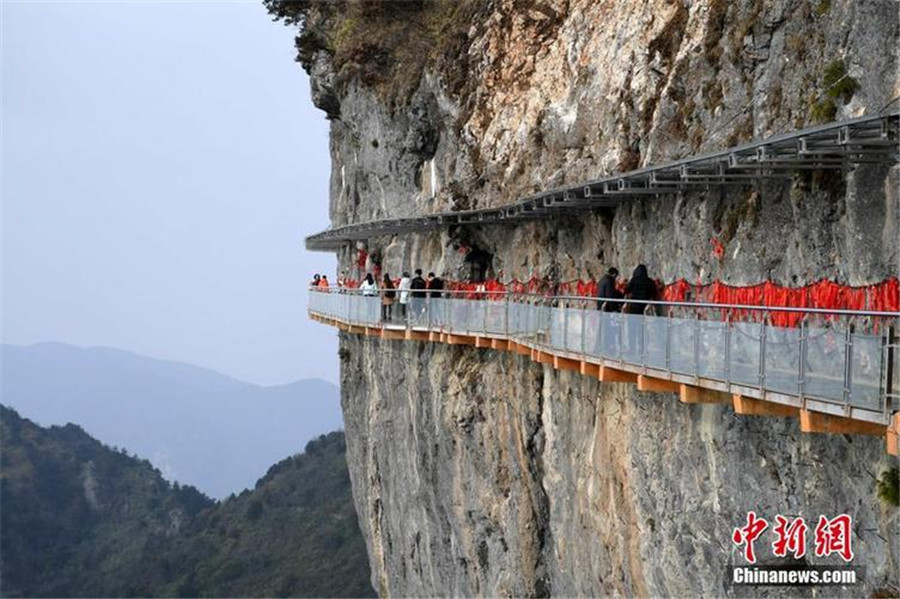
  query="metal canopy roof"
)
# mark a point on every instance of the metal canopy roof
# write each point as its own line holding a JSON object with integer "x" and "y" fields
{"x": 838, "y": 145}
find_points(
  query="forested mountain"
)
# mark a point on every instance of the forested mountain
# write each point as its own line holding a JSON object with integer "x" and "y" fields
{"x": 81, "y": 519}
{"x": 196, "y": 425}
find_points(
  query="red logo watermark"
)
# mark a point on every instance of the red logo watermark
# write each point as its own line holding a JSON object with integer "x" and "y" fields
{"x": 831, "y": 536}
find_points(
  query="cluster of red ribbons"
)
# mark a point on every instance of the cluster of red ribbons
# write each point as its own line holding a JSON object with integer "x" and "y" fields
{"x": 824, "y": 294}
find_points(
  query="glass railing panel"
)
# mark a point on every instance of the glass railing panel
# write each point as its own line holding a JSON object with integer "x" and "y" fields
{"x": 479, "y": 316}
{"x": 656, "y": 332}
{"x": 495, "y": 317}
{"x": 591, "y": 332}
{"x": 682, "y": 332}
{"x": 373, "y": 307}
{"x": 610, "y": 339}
{"x": 743, "y": 367}
{"x": 782, "y": 359}
{"x": 573, "y": 326}
{"x": 473, "y": 310}
{"x": 866, "y": 371}
{"x": 712, "y": 337}
{"x": 824, "y": 367}
{"x": 515, "y": 318}
{"x": 631, "y": 338}
{"x": 557, "y": 328}
{"x": 439, "y": 310}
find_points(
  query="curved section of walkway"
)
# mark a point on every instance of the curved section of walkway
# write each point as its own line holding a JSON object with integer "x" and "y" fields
{"x": 837, "y": 371}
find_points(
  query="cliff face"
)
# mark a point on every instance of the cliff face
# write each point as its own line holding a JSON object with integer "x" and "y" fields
{"x": 476, "y": 472}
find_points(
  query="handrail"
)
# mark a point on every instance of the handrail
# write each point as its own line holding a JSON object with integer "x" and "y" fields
{"x": 568, "y": 298}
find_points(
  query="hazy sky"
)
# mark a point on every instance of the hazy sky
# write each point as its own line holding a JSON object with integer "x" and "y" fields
{"x": 161, "y": 165}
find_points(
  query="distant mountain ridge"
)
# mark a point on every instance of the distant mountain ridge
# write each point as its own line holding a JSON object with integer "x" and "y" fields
{"x": 82, "y": 520}
{"x": 198, "y": 426}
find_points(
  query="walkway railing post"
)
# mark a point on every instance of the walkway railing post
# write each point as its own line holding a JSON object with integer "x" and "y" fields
{"x": 584, "y": 313}
{"x": 643, "y": 344}
{"x": 506, "y": 311}
{"x": 697, "y": 344}
{"x": 727, "y": 364}
{"x": 669, "y": 341}
{"x": 622, "y": 333}
{"x": 848, "y": 365}
{"x": 804, "y": 352}
{"x": 887, "y": 370}
{"x": 762, "y": 350}
{"x": 601, "y": 338}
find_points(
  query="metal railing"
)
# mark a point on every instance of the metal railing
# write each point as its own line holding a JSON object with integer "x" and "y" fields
{"x": 847, "y": 359}
{"x": 831, "y": 146}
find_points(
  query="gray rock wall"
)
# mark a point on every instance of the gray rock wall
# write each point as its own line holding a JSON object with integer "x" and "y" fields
{"x": 480, "y": 473}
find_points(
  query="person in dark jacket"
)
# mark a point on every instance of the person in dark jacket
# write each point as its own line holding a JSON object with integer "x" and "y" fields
{"x": 640, "y": 287}
{"x": 607, "y": 290}
{"x": 435, "y": 286}
{"x": 418, "y": 288}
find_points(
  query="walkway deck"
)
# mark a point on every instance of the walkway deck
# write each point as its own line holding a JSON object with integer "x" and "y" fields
{"x": 834, "y": 379}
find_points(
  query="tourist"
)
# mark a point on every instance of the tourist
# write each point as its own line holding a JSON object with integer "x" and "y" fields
{"x": 368, "y": 287}
{"x": 387, "y": 298}
{"x": 640, "y": 289}
{"x": 607, "y": 290}
{"x": 435, "y": 286}
{"x": 418, "y": 290}
{"x": 403, "y": 288}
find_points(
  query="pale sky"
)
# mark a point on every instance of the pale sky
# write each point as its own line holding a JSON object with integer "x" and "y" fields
{"x": 161, "y": 164}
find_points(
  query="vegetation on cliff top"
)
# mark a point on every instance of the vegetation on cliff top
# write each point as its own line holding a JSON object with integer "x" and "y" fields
{"x": 383, "y": 45}
{"x": 81, "y": 519}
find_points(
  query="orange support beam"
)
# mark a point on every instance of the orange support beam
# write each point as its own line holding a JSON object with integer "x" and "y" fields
{"x": 655, "y": 385}
{"x": 566, "y": 364}
{"x": 393, "y": 334}
{"x": 356, "y": 330}
{"x": 590, "y": 369}
{"x": 483, "y": 342}
{"x": 541, "y": 357}
{"x": 748, "y": 406}
{"x": 522, "y": 350}
{"x": 499, "y": 344}
{"x": 691, "y": 394}
{"x": 452, "y": 339}
{"x": 818, "y": 422}
{"x": 435, "y": 337}
{"x": 614, "y": 375}
{"x": 892, "y": 436}
{"x": 373, "y": 332}
{"x": 417, "y": 335}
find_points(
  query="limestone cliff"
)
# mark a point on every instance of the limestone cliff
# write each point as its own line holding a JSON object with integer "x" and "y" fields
{"x": 480, "y": 473}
